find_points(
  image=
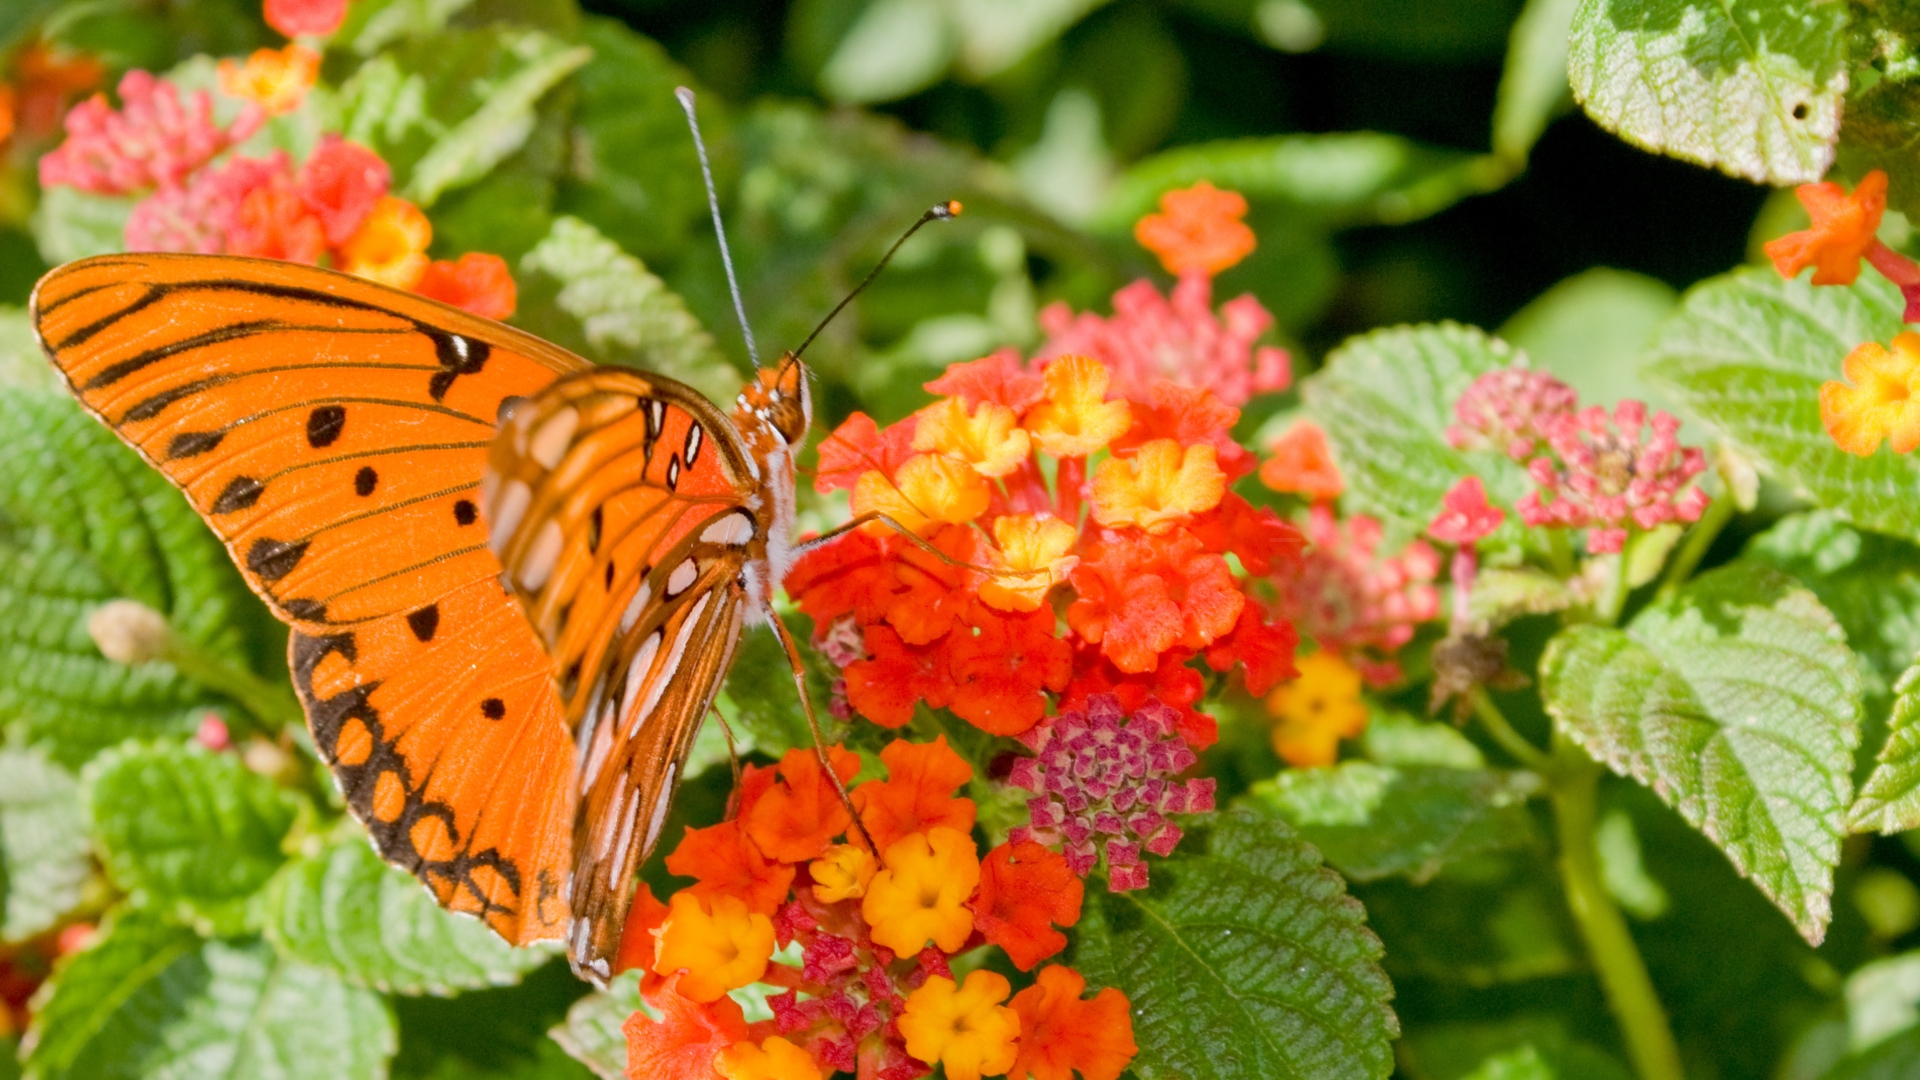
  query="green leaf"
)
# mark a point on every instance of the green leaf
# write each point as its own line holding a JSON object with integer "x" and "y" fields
{"x": 153, "y": 1003}
{"x": 1502, "y": 594}
{"x": 73, "y": 224}
{"x": 44, "y": 858}
{"x": 1248, "y": 960}
{"x": 632, "y": 169}
{"x": 1881, "y": 133}
{"x": 580, "y": 290}
{"x": 83, "y": 520}
{"x": 1895, "y": 1059}
{"x": 191, "y": 833}
{"x": 893, "y": 49}
{"x": 1373, "y": 821}
{"x": 1751, "y": 87}
{"x": 591, "y": 1032}
{"x": 22, "y": 364}
{"x": 1747, "y": 353}
{"x": 1871, "y": 583}
{"x": 1590, "y": 331}
{"x": 1883, "y": 998}
{"x": 1533, "y": 85}
{"x": 345, "y": 910}
{"x": 1524, "y": 1047}
{"x": 1736, "y": 701}
{"x": 1348, "y": 178}
{"x": 444, "y": 110}
{"x": 1395, "y": 738}
{"x": 1386, "y": 400}
{"x": 1889, "y": 800}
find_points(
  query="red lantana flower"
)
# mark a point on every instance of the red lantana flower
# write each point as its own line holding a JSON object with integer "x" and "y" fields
{"x": 1024, "y": 890}
{"x": 682, "y": 1044}
{"x": 796, "y": 817}
{"x": 1061, "y": 1033}
{"x": 918, "y": 793}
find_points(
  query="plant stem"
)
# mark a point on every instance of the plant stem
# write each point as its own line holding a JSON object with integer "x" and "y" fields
{"x": 1615, "y": 598}
{"x": 1503, "y": 733}
{"x": 1699, "y": 539}
{"x": 271, "y": 704}
{"x": 1616, "y": 959}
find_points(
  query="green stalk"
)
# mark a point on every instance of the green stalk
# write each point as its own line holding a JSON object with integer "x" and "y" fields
{"x": 1699, "y": 539}
{"x": 1615, "y": 598}
{"x": 1616, "y": 959}
{"x": 1503, "y": 733}
{"x": 272, "y": 704}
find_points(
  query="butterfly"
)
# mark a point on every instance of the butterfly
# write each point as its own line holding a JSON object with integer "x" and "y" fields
{"x": 515, "y": 580}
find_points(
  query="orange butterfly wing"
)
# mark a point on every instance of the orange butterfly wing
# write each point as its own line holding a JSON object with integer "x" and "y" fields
{"x": 627, "y": 512}
{"x": 335, "y": 433}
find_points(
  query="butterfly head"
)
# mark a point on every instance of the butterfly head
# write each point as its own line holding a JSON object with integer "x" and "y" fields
{"x": 777, "y": 401}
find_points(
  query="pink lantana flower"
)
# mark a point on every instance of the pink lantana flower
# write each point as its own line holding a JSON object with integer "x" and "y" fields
{"x": 153, "y": 140}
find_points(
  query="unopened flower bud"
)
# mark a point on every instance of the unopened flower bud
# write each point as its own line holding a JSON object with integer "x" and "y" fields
{"x": 129, "y": 632}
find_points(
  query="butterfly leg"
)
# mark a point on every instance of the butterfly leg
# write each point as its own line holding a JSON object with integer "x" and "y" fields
{"x": 733, "y": 751}
{"x": 913, "y": 538}
{"x": 813, "y": 724}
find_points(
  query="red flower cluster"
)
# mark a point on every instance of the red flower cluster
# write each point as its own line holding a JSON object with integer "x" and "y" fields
{"x": 333, "y": 208}
{"x": 872, "y": 993}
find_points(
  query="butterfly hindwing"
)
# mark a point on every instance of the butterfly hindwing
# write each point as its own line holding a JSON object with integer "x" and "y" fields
{"x": 334, "y": 433}
{"x": 625, "y": 510}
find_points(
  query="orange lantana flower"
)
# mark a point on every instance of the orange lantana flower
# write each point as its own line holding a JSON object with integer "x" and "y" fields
{"x": 1060, "y": 1033}
{"x": 1882, "y": 403}
{"x": 716, "y": 944}
{"x": 1317, "y": 710}
{"x": 775, "y": 1059}
{"x": 926, "y": 490}
{"x": 1161, "y": 484}
{"x": 1302, "y": 463}
{"x": 842, "y": 873}
{"x": 1198, "y": 230}
{"x": 987, "y": 439}
{"x": 921, "y": 894}
{"x": 1140, "y": 596}
{"x": 1076, "y": 418}
{"x": 1025, "y": 889}
{"x": 681, "y": 1045}
{"x": 963, "y": 1027}
{"x": 795, "y": 819}
{"x": 637, "y": 940}
{"x": 1842, "y": 232}
{"x": 918, "y": 793}
{"x": 276, "y": 78}
{"x": 476, "y": 282}
{"x": 726, "y": 863}
{"x": 1033, "y": 553}
{"x": 391, "y": 245}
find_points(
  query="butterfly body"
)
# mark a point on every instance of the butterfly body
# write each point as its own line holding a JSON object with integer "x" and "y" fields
{"x": 515, "y": 581}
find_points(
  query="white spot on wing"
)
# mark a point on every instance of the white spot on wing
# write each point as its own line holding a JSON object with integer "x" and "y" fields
{"x": 551, "y": 439}
{"x": 660, "y": 806}
{"x": 734, "y": 529}
{"x": 505, "y": 513}
{"x": 636, "y": 674}
{"x": 679, "y": 650}
{"x": 538, "y": 565}
{"x": 682, "y": 578}
{"x": 694, "y": 437}
{"x": 632, "y": 614}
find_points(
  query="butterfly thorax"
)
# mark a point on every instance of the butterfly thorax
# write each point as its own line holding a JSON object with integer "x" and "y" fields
{"x": 773, "y": 413}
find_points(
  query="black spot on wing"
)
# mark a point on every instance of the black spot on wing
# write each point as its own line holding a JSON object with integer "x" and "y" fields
{"x": 365, "y": 480}
{"x": 306, "y": 610}
{"x": 188, "y": 443}
{"x": 493, "y": 708}
{"x": 275, "y": 559}
{"x": 424, "y": 622}
{"x": 458, "y": 356}
{"x": 240, "y": 493}
{"x": 465, "y": 513}
{"x": 324, "y": 425}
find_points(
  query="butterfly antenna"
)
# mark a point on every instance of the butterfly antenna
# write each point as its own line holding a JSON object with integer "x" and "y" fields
{"x": 945, "y": 211}
{"x": 713, "y": 203}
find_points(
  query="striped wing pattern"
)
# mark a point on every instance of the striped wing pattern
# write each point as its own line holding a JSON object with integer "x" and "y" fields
{"x": 335, "y": 434}
{"x": 624, "y": 509}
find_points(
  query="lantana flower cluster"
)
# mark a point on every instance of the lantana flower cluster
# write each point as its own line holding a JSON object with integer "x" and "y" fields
{"x": 199, "y": 194}
{"x": 866, "y": 934}
{"x": 1046, "y": 533}
{"x": 1879, "y": 401}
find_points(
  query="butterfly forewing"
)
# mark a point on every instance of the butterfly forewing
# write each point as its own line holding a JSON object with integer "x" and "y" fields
{"x": 335, "y": 433}
{"x": 623, "y": 508}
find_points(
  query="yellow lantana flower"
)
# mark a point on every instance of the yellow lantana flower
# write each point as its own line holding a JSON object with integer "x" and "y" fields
{"x": 1076, "y": 418}
{"x": 989, "y": 439}
{"x": 1317, "y": 710}
{"x": 928, "y": 490}
{"x": 964, "y": 1027}
{"x": 921, "y": 894}
{"x": 1033, "y": 556}
{"x": 276, "y": 78}
{"x": 841, "y": 874}
{"x": 1882, "y": 403}
{"x": 716, "y": 942}
{"x": 1158, "y": 486}
{"x": 391, "y": 246}
{"x": 775, "y": 1059}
